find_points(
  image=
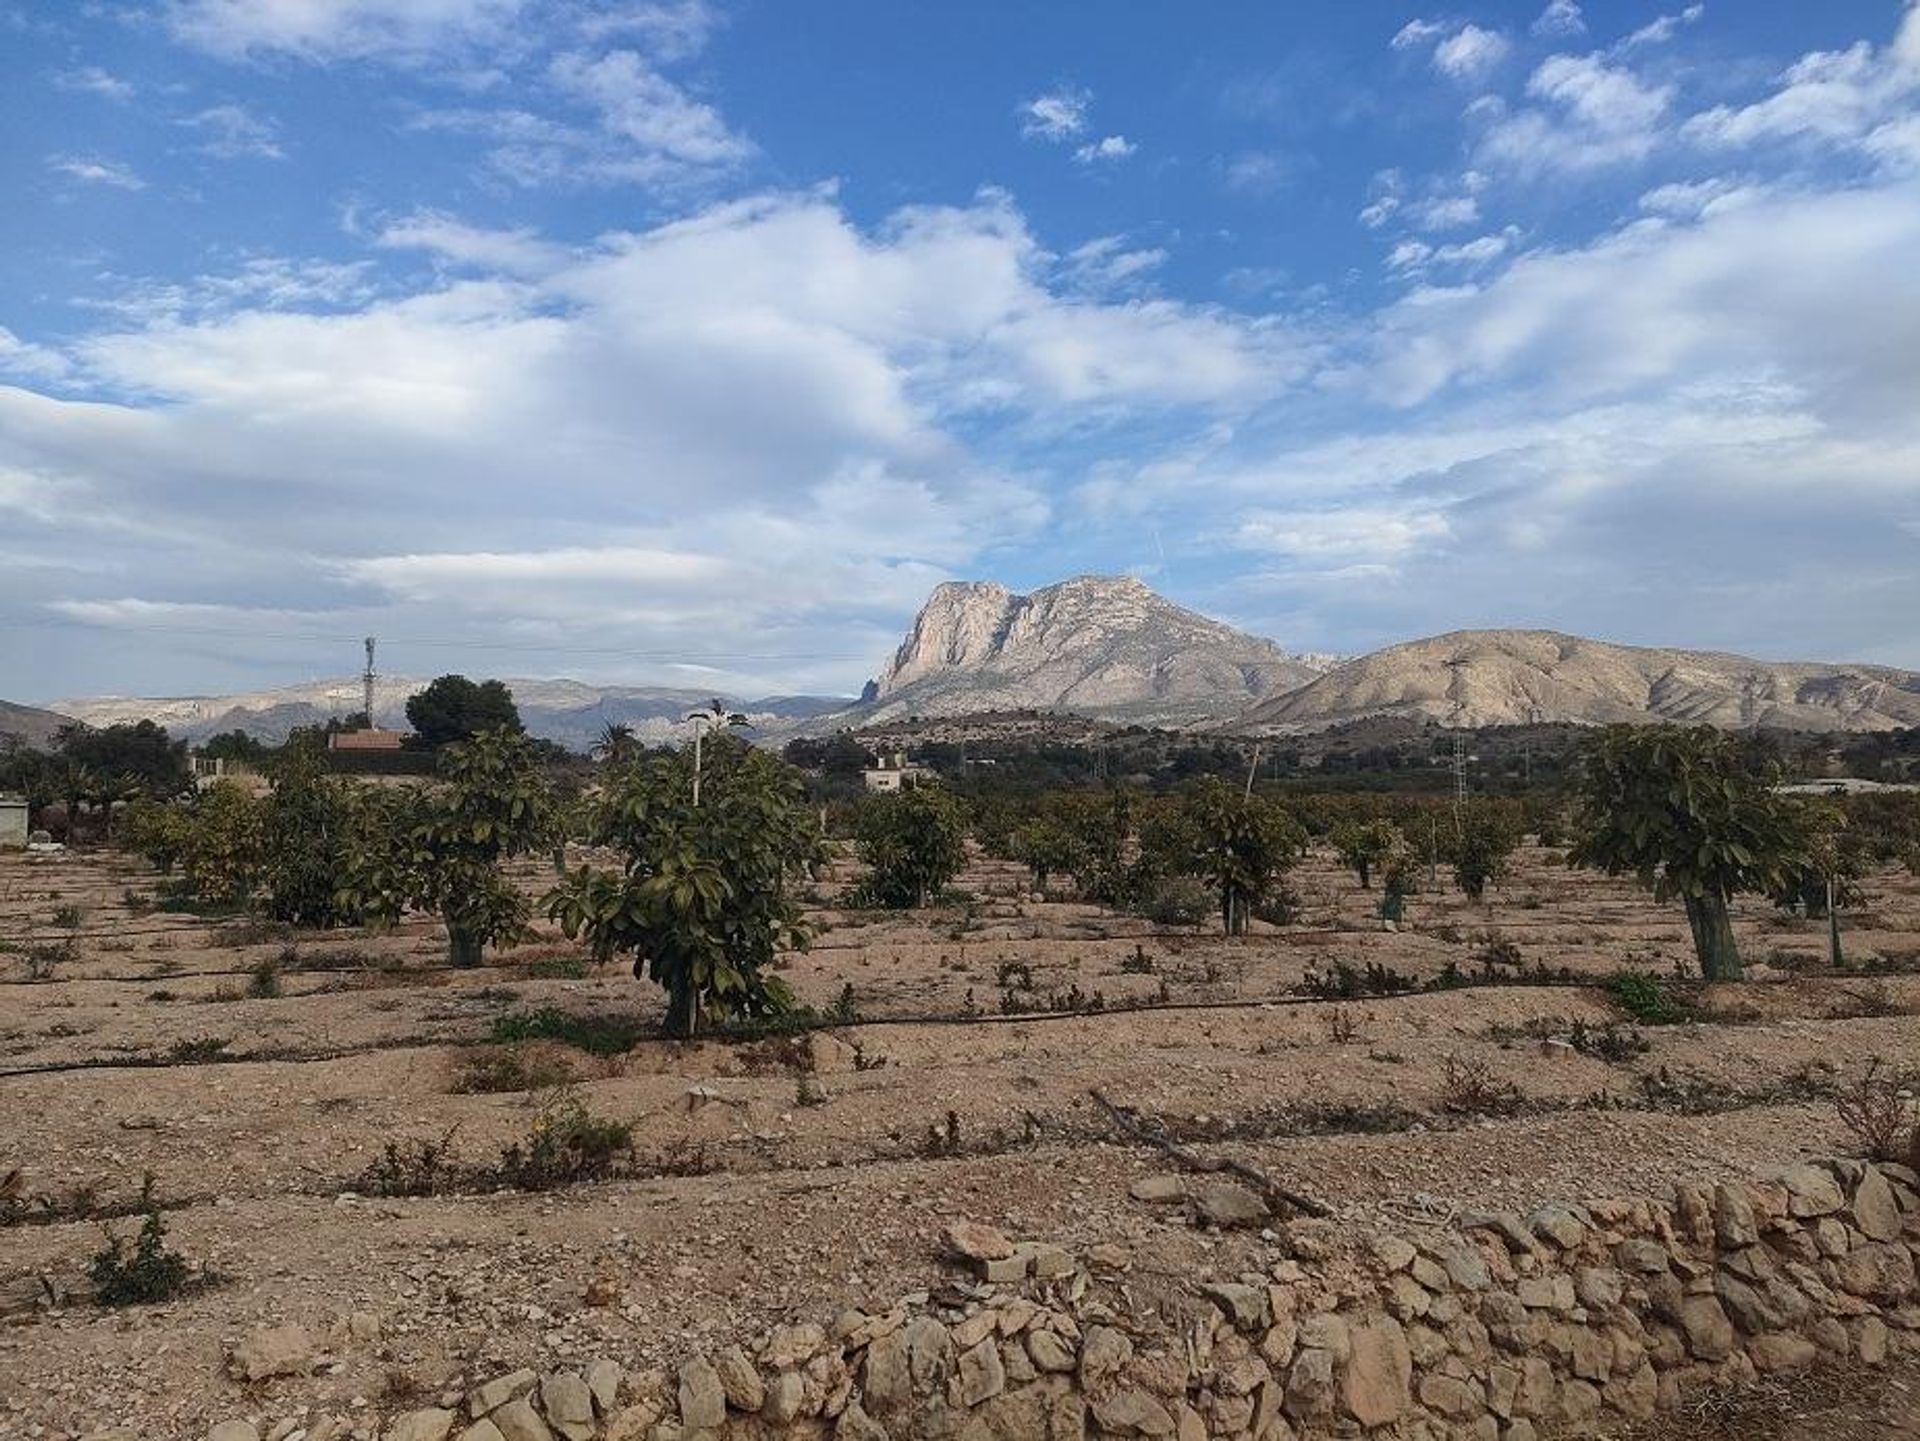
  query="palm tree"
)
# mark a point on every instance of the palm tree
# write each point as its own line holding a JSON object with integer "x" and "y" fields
{"x": 616, "y": 744}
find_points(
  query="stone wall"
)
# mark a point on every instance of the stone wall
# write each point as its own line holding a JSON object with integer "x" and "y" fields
{"x": 1493, "y": 1326}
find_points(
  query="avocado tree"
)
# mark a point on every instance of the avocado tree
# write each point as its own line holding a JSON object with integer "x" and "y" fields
{"x": 306, "y": 832}
{"x": 1483, "y": 836}
{"x": 705, "y": 898}
{"x": 914, "y": 841}
{"x": 441, "y": 849}
{"x": 1244, "y": 843}
{"x": 1691, "y": 814}
{"x": 1362, "y": 845}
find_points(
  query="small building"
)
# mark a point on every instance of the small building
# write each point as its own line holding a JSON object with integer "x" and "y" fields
{"x": 13, "y": 822}
{"x": 366, "y": 740}
{"x": 894, "y": 772}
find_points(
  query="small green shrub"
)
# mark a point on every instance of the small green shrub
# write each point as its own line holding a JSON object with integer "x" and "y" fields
{"x": 566, "y": 1145}
{"x": 494, "y": 1070}
{"x": 146, "y": 1271}
{"x": 412, "y": 1168}
{"x": 263, "y": 979}
{"x": 67, "y": 918}
{"x": 1647, "y": 1000}
{"x": 597, "y": 1035}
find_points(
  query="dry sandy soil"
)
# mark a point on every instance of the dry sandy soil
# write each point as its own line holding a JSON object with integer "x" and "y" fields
{"x": 789, "y": 1177}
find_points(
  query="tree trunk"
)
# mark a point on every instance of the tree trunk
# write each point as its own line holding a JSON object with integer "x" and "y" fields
{"x": 1713, "y": 939}
{"x": 463, "y": 950}
{"x": 683, "y": 1010}
{"x": 1366, "y": 875}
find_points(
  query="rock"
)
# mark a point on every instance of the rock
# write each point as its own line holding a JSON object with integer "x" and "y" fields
{"x": 518, "y": 1421}
{"x": 977, "y": 1377}
{"x": 1049, "y": 1352}
{"x": 1558, "y": 1225}
{"x": 1780, "y": 1351}
{"x": 568, "y": 1403}
{"x": 1709, "y": 1333}
{"x": 1464, "y": 1265}
{"x": 1878, "y": 1272}
{"x": 1227, "y": 1206}
{"x": 1392, "y": 1253}
{"x": 1103, "y": 1356}
{"x": 1246, "y": 1306}
{"x": 497, "y": 1392}
{"x": 1871, "y": 1341}
{"x": 973, "y": 1241}
{"x": 233, "y": 1431}
{"x": 910, "y": 1364}
{"x": 1327, "y": 1332}
{"x": 1109, "y": 1257}
{"x": 603, "y": 1380}
{"x": 1875, "y": 1211}
{"x": 1005, "y": 1270}
{"x": 1310, "y": 1385}
{"x": 429, "y": 1425}
{"x": 1157, "y": 1190}
{"x": 1811, "y": 1192}
{"x": 1449, "y": 1395}
{"x": 1044, "y": 1260}
{"x": 1377, "y": 1387}
{"x": 703, "y": 1400}
{"x": 855, "y": 1425}
{"x": 741, "y": 1383}
{"x": 1642, "y": 1257}
{"x": 485, "y": 1430}
{"x": 794, "y": 1345}
{"x": 363, "y": 1326}
{"x": 1733, "y": 1221}
{"x": 784, "y": 1394}
{"x": 1129, "y": 1412}
{"x": 274, "y": 1351}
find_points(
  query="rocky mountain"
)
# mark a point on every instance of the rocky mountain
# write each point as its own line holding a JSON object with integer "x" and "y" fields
{"x": 1097, "y": 646}
{"x": 566, "y": 711}
{"x": 25, "y": 725}
{"x": 1510, "y": 677}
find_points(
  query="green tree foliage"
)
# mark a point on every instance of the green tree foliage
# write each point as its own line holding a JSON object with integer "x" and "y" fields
{"x": 142, "y": 751}
{"x": 234, "y": 745}
{"x": 1244, "y": 844}
{"x": 1478, "y": 844}
{"x": 453, "y": 708}
{"x": 220, "y": 862}
{"x": 705, "y": 897}
{"x": 441, "y": 849}
{"x": 1692, "y": 815}
{"x": 307, "y": 832}
{"x": 158, "y": 831}
{"x": 914, "y": 841}
{"x": 1834, "y": 861}
{"x": 1045, "y": 847}
{"x": 1362, "y": 845}
{"x": 617, "y": 744}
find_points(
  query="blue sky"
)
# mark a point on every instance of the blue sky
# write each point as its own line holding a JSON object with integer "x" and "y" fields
{"x": 691, "y": 342}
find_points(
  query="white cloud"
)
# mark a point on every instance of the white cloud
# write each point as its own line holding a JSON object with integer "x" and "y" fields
{"x": 1057, "y": 116}
{"x": 93, "y": 170}
{"x": 1833, "y": 97}
{"x": 22, "y": 359}
{"x": 92, "y": 80}
{"x": 234, "y": 133}
{"x": 1664, "y": 28}
{"x": 638, "y": 104}
{"x": 776, "y": 396}
{"x": 1470, "y": 54}
{"x": 1416, "y": 33}
{"x": 1689, "y": 200}
{"x": 1593, "y": 115}
{"x": 1109, "y": 263}
{"x": 1560, "y": 19}
{"x": 1257, "y": 172}
{"x": 517, "y": 251}
{"x": 1106, "y": 150}
{"x": 323, "y": 30}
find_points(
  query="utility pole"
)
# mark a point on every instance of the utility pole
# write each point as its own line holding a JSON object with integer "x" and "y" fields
{"x": 367, "y": 682}
{"x": 702, "y": 722}
{"x": 1252, "y": 769}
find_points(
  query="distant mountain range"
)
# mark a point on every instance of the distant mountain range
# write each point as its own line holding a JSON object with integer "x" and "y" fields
{"x": 566, "y": 711}
{"x": 1511, "y": 677}
{"x": 1111, "y": 649}
{"x": 24, "y": 725}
